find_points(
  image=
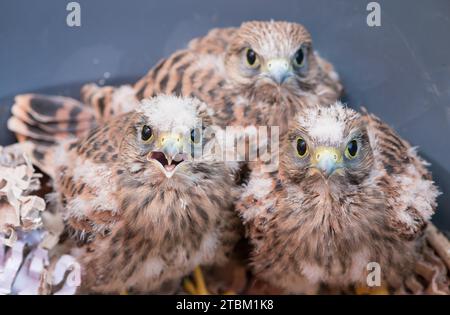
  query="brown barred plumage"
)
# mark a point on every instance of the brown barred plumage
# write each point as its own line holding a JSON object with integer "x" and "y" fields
{"x": 309, "y": 228}
{"x": 141, "y": 230}
{"x": 211, "y": 70}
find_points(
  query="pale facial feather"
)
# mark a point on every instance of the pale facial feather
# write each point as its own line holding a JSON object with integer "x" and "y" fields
{"x": 167, "y": 112}
{"x": 327, "y": 124}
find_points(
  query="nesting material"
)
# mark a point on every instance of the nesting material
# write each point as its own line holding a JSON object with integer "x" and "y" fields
{"x": 28, "y": 233}
{"x": 20, "y": 208}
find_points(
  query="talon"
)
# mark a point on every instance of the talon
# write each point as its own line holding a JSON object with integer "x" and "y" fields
{"x": 364, "y": 290}
{"x": 189, "y": 287}
{"x": 198, "y": 286}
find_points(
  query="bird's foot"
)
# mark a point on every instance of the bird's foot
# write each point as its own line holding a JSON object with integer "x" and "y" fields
{"x": 365, "y": 290}
{"x": 196, "y": 286}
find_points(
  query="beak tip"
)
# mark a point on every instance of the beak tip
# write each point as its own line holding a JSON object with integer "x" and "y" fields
{"x": 279, "y": 70}
{"x": 327, "y": 162}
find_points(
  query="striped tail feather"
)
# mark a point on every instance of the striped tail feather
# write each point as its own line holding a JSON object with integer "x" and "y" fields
{"x": 99, "y": 99}
{"x": 41, "y": 155}
{"x": 45, "y": 121}
{"x": 109, "y": 101}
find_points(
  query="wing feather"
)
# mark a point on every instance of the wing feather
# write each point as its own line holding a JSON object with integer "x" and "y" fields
{"x": 86, "y": 180}
{"x": 257, "y": 203}
{"x": 407, "y": 183}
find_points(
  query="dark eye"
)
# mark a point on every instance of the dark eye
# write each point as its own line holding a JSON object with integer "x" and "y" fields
{"x": 252, "y": 58}
{"x": 302, "y": 148}
{"x": 195, "y": 135}
{"x": 299, "y": 58}
{"x": 146, "y": 133}
{"x": 352, "y": 149}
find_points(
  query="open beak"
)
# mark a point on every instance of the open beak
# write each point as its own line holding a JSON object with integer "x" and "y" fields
{"x": 279, "y": 69}
{"x": 327, "y": 160}
{"x": 169, "y": 156}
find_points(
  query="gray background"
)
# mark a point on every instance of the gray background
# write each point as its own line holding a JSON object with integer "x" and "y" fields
{"x": 400, "y": 71}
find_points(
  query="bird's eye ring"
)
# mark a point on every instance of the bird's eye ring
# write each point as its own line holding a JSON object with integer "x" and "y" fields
{"x": 352, "y": 149}
{"x": 146, "y": 133}
{"x": 195, "y": 135}
{"x": 252, "y": 58}
{"x": 302, "y": 147}
{"x": 299, "y": 58}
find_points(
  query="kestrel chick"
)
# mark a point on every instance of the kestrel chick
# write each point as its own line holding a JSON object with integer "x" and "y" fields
{"x": 348, "y": 192}
{"x": 148, "y": 211}
{"x": 260, "y": 73}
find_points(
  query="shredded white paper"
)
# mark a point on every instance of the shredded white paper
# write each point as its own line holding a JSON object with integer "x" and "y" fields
{"x": 28, "y": 233}
{"x": 19, "y": 209}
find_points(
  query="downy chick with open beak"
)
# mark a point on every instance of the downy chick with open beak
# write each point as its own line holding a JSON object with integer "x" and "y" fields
{"x": 145, "y": 205}
{"x": 170, "y": 149}
{"x": 349, "y": 191}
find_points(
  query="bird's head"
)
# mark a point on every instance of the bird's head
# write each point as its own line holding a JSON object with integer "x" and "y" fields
{"x": 272, "y": 55}
{"x": 165, "y": 137}
{"x": 327, "y": 146}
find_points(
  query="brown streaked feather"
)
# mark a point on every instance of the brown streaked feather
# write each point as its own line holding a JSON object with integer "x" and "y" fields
{"x": 136, "y": 231}
{"x": 415, "y": 200}
{"x": 45, "y": 109}
{"x": 100, "y": 99}
{"x": 201, "y": 71}
{"x": 305, "y": 232}
{"x": 49, "y": 132}
{"x": 44, "y": 121}
{"x": 215, "y": 42}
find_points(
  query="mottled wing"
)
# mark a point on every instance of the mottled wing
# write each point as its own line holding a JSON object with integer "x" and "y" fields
{"x": 197, "y": 71}
{"x": 257, "y": 204}
{"x": 108, "y": 102}
{"x": 49, "y": 118}
{"x": 406, "y": 182}
{"x": 44, "y": 121}
{"x": 215, "y": 42}
{"x": 86, "y": 180}
{"x": 185, "y": 73}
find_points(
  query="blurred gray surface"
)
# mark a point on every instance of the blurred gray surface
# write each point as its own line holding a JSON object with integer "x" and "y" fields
{"x": 400, "y": 71}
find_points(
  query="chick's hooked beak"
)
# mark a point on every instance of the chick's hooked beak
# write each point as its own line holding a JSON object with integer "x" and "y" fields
{"x": 168, "y": 154}
{"x": 327, "y": 160}
{"x": 279, "y": 69}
